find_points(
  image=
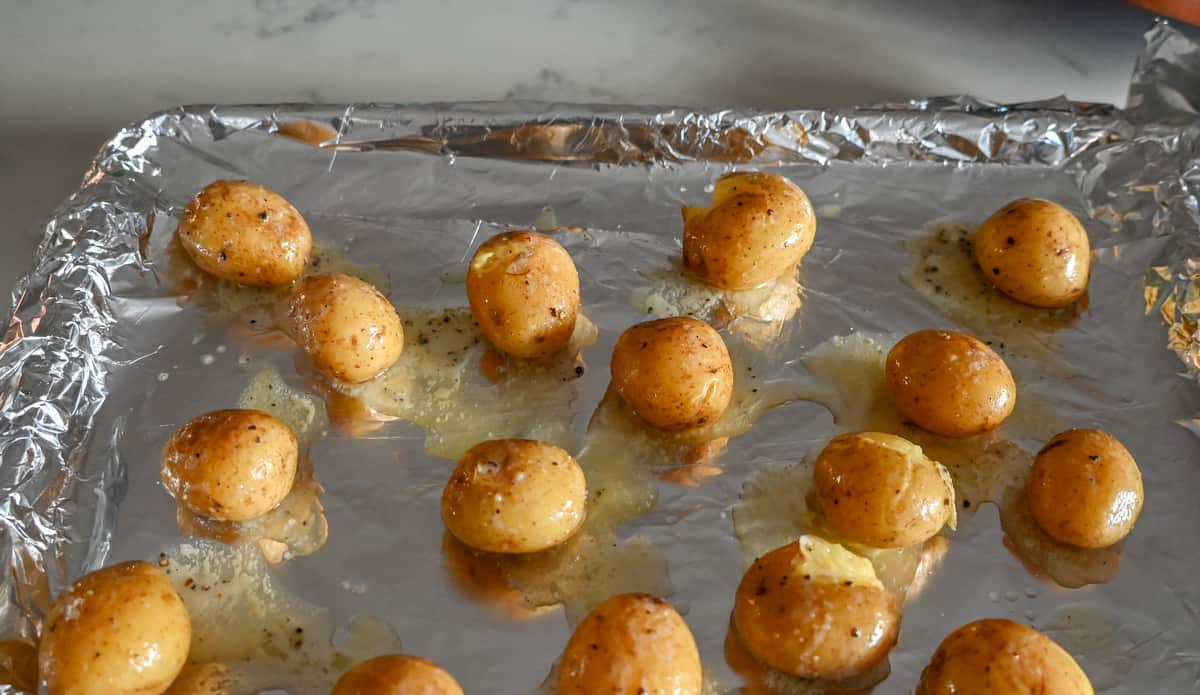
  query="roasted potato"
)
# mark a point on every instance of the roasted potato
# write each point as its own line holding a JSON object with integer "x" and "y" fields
{"x": 349, "y": 330}
{"x": 1000, "y": 656}
{"x": 673, "y": 373}
{"x": 882, "y": 490}
{"x": 515, "y": 496}
{"x": 397, "y": 674}
{"x": 231, "y": 465}
{"x": 1036, "y": 252}
{"x": 950, "y": 383}
{"x": 813, "y": 609}
{"x": 524, "y": 292}
{"x": 1085, "y": 489}
{"x": 246, "y": 234}
{"x": 758, "y": 227}
{"x": 122, "y": 629}
{"x": 631, "y": 643}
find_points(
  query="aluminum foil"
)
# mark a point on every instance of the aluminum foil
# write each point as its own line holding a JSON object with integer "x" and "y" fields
{"x": 100, "y": 363}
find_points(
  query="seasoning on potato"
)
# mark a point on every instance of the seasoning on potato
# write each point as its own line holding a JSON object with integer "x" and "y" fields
{"x": 950, "y": 383}
{"x": 882, "y": 490}
{"x": 121, "y": 629}
{"x": 397, "y": 674}
{"x": 1000, "y": 656}
{"x": 1085, "y": 489}
{"x": 231, "y": 465}
{"x": 631, "y": 643}
{"x": 673, "y": 373}
{"x": 348, "y": 329}
{"x": 246, "y": 234}
{"x": 524, "y": 292}
{"x": 515, "y": 496}
{"x": 1036, "y": 252}
{"x": 757, "y": 228}
{"x": 813, "y": 609}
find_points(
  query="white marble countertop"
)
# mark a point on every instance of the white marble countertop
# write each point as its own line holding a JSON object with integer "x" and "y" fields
{"x": 72, "y": 72}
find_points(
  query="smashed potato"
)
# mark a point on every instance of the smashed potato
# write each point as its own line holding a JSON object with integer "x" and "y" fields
{"x": 815, "y": 610}
{"x": 523, "y": 289}
{"x": 246, "y": 234}
{"x": 758, "y": 227}
{"x": 882, "y": 490}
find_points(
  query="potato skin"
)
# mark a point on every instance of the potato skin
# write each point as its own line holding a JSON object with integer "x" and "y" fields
{"x": 631, "y": 643}
{"x": 1000, "y": 656}
{"x": 121, "y": 629}
{"x": 348, "y": 329}
{"x": 1085, "y": 489}
{"x": 950, "y": 383}
{"x": 230, "y": 465}
{"x": 523, "y": 289}
{"x": 397, "y": 674}
{"x": 812, "y": 628}
{"x": 881, "y": 490}
{"x": 673, "y": 373}
{"x": 515, "y": 496}
{"x": 245, "y": 233}
{"x": 757, "y": 228}
{"x": 1036, "y": 252}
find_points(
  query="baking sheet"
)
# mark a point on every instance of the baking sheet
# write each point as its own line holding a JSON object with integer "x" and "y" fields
{"x": 100, "y": 363}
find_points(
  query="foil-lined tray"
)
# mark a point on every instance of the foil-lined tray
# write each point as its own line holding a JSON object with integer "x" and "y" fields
{"x": 100, "y": 361}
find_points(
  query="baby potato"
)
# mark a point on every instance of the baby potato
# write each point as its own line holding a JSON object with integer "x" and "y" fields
{"x": 631, "y": 643}
{"x": 815, "y": 610}
{"x": 348, "y": 329}
{"x": 230, "y": 465}
{"x": 122, "y": 629}
{"x": 1036, "y": 252}
{"x": 524, "y": 292}
{"x": 882, "y": 490}
{"x": 950, "y": 383}
{"x": 515, "y": 496}
{"x": 1085, "y": 489}
{"x": 397, "y": 674}
{"x": 757, "y": 228}
{"x": 246, "y": 234}
{"x": 1000, "y": 656}
{"x": 673, "y": 373}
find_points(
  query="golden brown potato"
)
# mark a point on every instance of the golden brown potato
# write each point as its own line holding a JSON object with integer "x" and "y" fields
{"x": 1036, "y": 252}
{"x": 1000, "y": 656}
{"x": 397, "y": 674}
{"x": 882, "y": 490}
{"x": 815, "y": 610}
{"x": 230, "y": 465}
{"x": 349, "y": 330}
{"x": 18, "y": 666}
{"x": 246, "y": 234}
{"x": 515, "y": 496}
{"x": 631, "y": 643}
{"x": 758, "y": 227}
{"x": 950, "y": 383}
{"x": 524, "y": 292}
{"x": 673, "y": 373}
{"x": 122, "y": 629}
{"x": 1085, "y": 489}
